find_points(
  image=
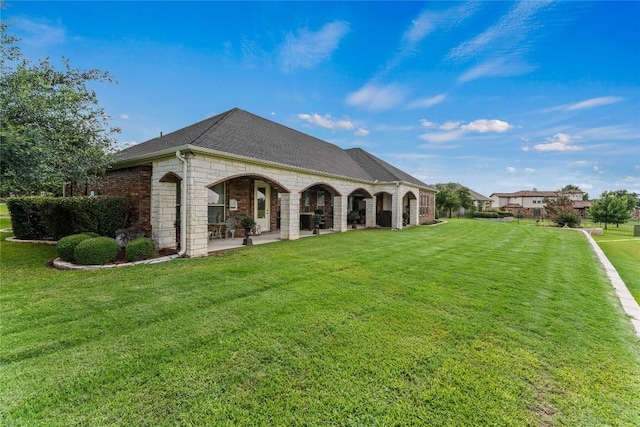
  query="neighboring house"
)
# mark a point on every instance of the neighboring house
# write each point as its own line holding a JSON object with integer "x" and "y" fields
{"x": 237, "y": 164}
{"x": 530, "y": 203}
{"x": 481, "y": 202}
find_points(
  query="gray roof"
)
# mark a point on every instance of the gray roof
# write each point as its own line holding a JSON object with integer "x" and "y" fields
{"x": 241, "y": 133}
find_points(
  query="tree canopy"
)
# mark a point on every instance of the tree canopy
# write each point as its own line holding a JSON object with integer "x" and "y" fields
{"x": 453, "y": 196}
{"x": 52, "y": 128}
{"x": 613, "y": 207}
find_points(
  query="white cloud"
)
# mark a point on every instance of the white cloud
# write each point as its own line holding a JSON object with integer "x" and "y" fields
{"x": 505, "y": 66}
{"x": 124, "y": 117}
{"x": 511, "y": 169}
{"x": 362, "y": 132}
{"x": 427, "y": 102}
{"x": 39, "y": 34}
{"x": 450, "y": 125}
{"x": 559, "y": 142}
{"x": 484, "y": 125}
{"x": 580, "y": 164}
{"x": 327, "y": 121}
{"x": 427, "y": 124}
{"x": 529, "y": 170}
{"x": 377, "y": 98}
{"x": 508, "y": 35}
{"x": 594, "y": 102}
{"x": 439, "y": 137}
{"x": 588, "y": 103}
{"x": 308, "y": 48}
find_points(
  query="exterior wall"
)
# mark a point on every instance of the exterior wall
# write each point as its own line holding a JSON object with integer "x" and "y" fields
{"x": 204, "y": 170}
{"x": 134, "y": 184}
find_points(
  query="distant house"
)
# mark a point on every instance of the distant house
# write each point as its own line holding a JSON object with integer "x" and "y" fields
{"x": 531, "y": 203}
{"x": 481, "y": 202}
{"x": 237, "y": 165}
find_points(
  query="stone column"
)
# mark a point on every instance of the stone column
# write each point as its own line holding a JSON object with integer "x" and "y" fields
{"x": 414, "y": 212}
{"x": 370, "y": 212}
{"x": 289, "y": 216}
{"x": 340, "y": 213}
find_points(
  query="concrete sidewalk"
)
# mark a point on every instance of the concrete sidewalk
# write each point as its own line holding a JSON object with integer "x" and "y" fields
{"x": 629, "y": 304}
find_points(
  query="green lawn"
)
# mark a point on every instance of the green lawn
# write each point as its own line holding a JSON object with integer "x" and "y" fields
{"x": 466, "y": 324}
{"x": 624, "y": 254}
{"x": 3, "y": 209}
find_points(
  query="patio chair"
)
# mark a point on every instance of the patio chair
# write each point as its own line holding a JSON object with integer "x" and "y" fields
{"x": 230, "y": 227}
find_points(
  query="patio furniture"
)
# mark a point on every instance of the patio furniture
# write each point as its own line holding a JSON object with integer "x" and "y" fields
{"x": 230, "y": 225}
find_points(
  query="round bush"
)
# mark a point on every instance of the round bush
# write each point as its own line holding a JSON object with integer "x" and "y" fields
{"x": 98, "y": 250}
{"x": 67, "y": 245}
{"x": 139, "y": 249}
{"x": 90, "y": 234}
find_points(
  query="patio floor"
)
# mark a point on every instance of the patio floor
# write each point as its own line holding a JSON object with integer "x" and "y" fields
{"x": 217, "y": 245}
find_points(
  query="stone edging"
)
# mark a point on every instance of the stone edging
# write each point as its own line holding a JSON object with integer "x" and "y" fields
{"x": 41, "y": 242}
{"x": 629, "y": 304}
{"x": 64, "y": 265}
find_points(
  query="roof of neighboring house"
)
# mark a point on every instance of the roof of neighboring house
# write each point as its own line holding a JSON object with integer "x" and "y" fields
{"x": 478, "y": 197}
{"x": 531, "y": 193}
{"x": 581, "y": 204}
{"x": 241, "y": 133}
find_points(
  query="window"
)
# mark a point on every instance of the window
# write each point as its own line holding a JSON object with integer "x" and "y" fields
{"x": 215, "y": 202}
{"x": 321, "y": 200}
{"x": 307, "y": 202}
{"x": 424, "y": 203}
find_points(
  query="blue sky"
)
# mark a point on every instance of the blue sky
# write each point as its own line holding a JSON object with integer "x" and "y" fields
{"x": 499, "y": 96}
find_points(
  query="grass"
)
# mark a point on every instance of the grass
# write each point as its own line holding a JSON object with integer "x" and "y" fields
{"x": 3, "y": 209}
{"x": 468, "y": 323}
{"x": 624, "y": 254}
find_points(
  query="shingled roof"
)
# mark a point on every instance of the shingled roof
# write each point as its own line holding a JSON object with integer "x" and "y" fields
{"x": 241, "y": 133}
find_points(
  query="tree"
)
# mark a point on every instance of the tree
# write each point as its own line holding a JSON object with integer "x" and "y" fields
{"x": 560, "y": 210}
{"x": 52, "y": 129}
{"x": 613, "y": 207}
{"x": 453, "y": 196}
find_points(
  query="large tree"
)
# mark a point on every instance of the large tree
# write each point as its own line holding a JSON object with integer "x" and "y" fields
{"x": 453, "y": 196}
{"x": 52, "y": 128}
{"x": 613, "y": 207}
{"x": 560, "y": 210}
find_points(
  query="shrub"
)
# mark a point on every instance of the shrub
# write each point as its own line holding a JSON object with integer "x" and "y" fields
{"x": 67, "y": 245}
{"x": 98, "y": 250}
{"x": 39, "y": 217}
{"x": 489, "y": 214}
{"x": 140, "y": 249}
{"x": 503, "y": 214}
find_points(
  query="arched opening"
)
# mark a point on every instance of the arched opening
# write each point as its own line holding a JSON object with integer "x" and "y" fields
{"x": 357, "y": 206}
{"x": 317, "y": 199}
{"x": 173, "y": 178}
{"x": 239, "y": 196}
{"x": 409, "y": 208}
{"x": 384, "y": 203}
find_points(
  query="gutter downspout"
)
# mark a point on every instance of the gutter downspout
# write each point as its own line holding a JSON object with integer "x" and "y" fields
{"x": 183, "y": 207}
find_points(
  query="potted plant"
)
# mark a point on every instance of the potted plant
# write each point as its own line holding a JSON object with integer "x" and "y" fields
{"x": 317, "y": 217}
{"x": 247, "y": 223}
{"x": 353, "y": 216}
{"x": 405, "y": 218}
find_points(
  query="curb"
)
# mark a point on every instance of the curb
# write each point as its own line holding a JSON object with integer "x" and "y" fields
{"x": 64, "y": 265}
{"x": 629, "y": 304}
{"x": 41, "y": 242}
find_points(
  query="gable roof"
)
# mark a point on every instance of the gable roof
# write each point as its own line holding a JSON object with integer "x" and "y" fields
{"x": 241, "y": 133}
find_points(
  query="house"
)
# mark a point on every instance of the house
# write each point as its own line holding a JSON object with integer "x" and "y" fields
{"x": 531, "y": 203}
{"x": 237, "y": 165}
{"x": 482, "y": 203}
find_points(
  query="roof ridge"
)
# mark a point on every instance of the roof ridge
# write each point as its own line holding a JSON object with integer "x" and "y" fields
{"x": 220, "y": 117}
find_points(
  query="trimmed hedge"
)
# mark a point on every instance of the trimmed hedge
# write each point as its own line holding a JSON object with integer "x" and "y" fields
{"x": 97, "y": 251}
{"x": 36, "y": 217}
{"x": 140, "y": 249}
{"x": 67, "y": 245}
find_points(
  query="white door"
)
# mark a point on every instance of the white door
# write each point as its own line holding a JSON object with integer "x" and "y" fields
{"x": 262, "y": 205}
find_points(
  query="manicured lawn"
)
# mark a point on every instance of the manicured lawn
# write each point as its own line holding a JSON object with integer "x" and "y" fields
{"x": 467, "y": 323}
{"x": 3, "y": 209}
{"x": 624, "y": 254}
